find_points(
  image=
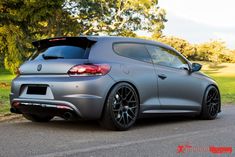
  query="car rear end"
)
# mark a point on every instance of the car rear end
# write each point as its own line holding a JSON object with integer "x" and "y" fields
{"x": 59, "y": 80}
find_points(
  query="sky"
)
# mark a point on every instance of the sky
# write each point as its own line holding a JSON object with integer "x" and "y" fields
{"x": 200, "y": 20}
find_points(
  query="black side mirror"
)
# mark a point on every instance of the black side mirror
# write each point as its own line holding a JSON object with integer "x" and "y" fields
{"x": 196, "y": 67}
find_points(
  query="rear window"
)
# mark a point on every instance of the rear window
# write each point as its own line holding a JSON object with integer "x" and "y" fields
{"x": 61, "y": 52}
{"x": 132, "y": 50}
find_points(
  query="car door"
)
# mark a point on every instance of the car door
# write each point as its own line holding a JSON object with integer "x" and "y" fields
{"x": 177, "y": 89}
{"x": 140, "y": 71}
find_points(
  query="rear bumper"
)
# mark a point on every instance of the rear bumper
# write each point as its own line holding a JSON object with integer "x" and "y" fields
{"x": 84, "y": 96}
{"x": 45, "y": 107}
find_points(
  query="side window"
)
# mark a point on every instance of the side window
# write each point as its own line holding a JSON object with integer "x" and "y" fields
{"x": 132, "y": 50}
{"x": 165, "y": 57}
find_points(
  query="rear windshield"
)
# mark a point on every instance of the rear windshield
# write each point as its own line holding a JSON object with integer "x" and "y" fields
{"x": 61, "y": 52}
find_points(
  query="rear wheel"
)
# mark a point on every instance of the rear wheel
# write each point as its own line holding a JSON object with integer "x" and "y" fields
{"x": 211, "y": 103}
{"x": 121, "y": 108}
{"x": 37, "y": 118}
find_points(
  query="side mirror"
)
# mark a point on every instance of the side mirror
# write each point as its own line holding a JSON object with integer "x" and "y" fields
{"x": 196, "y": 67}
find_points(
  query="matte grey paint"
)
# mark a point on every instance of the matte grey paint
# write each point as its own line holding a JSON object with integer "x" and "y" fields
{"x": 161, "y": 89}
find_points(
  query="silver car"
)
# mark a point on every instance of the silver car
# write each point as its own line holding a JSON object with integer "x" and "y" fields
{"x": 111, "y": 79}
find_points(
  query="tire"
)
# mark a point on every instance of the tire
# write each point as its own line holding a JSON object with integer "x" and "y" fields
{"x": 121, "y": 108}
{"x": 37, "y": 118}
{"x": 211, "y": 103}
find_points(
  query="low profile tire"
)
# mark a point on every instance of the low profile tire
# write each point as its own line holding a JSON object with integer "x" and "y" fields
{"x": 211, "y": 103}
{"x": 37, "y": 118}
{"x": 121, "y": 108}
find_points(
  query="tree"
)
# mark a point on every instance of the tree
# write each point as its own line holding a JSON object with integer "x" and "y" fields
{"x": 117, "y": 17}
{"x": 23, "y": 21}
{"x": 181, "y": 45}
{"x": 211, "y": 51}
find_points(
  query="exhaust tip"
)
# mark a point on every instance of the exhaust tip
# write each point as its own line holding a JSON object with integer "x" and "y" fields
{"x": 14, "y": 110}
{"x": 67, "y": 115}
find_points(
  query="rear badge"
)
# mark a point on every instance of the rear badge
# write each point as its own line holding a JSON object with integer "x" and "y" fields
{"x": 39, "y": 68}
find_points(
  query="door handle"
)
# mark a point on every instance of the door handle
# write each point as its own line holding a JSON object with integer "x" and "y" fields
{"x": 162, "y": 76}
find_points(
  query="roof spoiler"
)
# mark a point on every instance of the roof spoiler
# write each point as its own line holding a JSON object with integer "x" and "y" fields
{"x": 73, "y": 41}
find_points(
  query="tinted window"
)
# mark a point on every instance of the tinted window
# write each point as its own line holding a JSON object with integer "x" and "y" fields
{"x": 132, "y": 50}
{"x": 63, "y": 52}
{"x": 166, "y": 57}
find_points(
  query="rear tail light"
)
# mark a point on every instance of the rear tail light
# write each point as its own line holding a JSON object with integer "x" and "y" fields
{"x": 89, "y": 70}
{"x": 16, "y": 104}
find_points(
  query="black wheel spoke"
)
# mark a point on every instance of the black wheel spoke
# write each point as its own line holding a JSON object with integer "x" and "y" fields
{"x": 133, "y": 107}
{"x": 125, "y": 119}
{"x": 130, "y": 117}
{"x": 119, "y": 118}
{"x": 131, "y": 111}
{"x": 211, "y": 109}
{"x": 132, "y": 101}
{"x": 215, "y": 94}
{"x": 122, "y": 92}
{"x": 131, "y": 97}
{"x": 133, "y": 115}
{"x": 127, "y": 95}
{"x": 116, "y": 110}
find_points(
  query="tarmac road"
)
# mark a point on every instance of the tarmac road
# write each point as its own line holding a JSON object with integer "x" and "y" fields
{"x": 161, "y": 136}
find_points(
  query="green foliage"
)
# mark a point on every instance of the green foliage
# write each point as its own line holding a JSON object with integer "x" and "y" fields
{"x": 116, "y": 17}
{"x": 213, "y": 51}
{"x": 181, "y": 45}
{"x": 13, "y": 59}
{"x": 22, "y": 21}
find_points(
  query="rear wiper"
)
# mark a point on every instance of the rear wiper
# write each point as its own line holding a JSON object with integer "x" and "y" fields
{"x": 51, "y": 57}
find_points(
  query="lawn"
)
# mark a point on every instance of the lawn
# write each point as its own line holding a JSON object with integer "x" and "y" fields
{"x": 5, "y": 79}
{"x": 223, "y": 73}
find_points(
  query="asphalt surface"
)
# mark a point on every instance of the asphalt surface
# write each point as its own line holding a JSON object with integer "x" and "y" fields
{"x": 160, "y": 136}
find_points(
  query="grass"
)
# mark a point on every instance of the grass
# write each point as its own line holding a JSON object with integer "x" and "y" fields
{"x": 227, "y": 88}
{"x": 224, "y": 74}
{"x": 4, "y": 100}
{"x": 5, "y": 76}
{"x": 5, "y": 79}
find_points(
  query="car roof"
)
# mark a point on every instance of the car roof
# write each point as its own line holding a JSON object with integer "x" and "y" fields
{"x": 93, "y": 39}
{"x": 127, "y": 39}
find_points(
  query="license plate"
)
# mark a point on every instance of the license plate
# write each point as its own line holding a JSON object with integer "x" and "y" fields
{"x": 37, "y": 90}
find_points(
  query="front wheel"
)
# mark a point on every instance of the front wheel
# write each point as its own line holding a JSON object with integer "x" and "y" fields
{"x": 211, "y": 103}
{"x": 121, "y": 108}
{"x": 37, "y": 118}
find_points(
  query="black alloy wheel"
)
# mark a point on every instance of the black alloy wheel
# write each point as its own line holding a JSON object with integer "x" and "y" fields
{"x": 211, "y": 103}
{"x": 122, "y": 108}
